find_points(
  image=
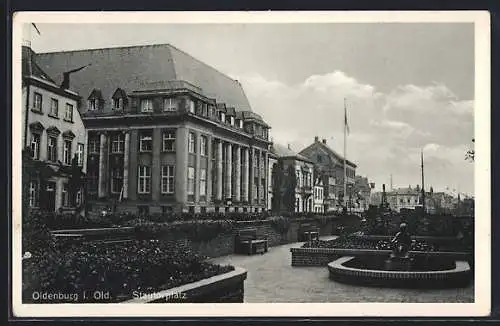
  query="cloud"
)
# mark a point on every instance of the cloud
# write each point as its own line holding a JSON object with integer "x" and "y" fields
{"x": 388, "y": 130}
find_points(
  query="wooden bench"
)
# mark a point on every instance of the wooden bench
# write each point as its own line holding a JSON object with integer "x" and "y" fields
{"x": 246, "y": 242}
{"x": 308, "y": 232}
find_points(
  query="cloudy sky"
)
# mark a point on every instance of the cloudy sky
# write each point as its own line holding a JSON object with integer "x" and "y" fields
{"x": 407, "y": 86}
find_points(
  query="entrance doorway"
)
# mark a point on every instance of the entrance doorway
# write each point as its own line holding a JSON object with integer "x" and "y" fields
{"x": 51, "y": 196}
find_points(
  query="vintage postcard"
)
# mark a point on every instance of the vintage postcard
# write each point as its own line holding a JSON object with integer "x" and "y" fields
{"x": 251, "y": 164}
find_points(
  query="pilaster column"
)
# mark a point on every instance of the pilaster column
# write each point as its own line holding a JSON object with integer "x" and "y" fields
{"x": 229, "y": 171}
{"x": 126, "y": 164}
{"x": 197, "y": 167}
{"x": 181, "y": 159}
{"x": 102, "y": 168}
{"x": 209, "y": 168}
{"x": 219, "y": 171}
{"x": 251, "y": 177}
{"x": 266, "y": 180}
{"x": 245, "y": 174}
{"x": 237, "y": 174}
{"x": 258, "y": 158}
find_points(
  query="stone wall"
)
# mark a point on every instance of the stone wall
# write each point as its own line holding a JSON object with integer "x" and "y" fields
{"x": 323, "y": 256}
{"x": 225, "y": 288}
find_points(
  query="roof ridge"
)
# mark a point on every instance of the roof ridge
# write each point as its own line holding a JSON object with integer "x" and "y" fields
{"x": 106, "y": 48}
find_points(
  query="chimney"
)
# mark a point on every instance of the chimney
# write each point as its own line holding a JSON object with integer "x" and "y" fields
{"x": 324, "y": 141}
{"x": 289, "y": 147}
{"x": 316, "y": 139}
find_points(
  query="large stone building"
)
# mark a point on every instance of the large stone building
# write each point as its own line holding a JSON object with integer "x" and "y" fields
{"x": 289, "y": 161}
{"x": 166, "y": 132}
{"x": 53, "y": 130}
{"x": 330, "y": 165}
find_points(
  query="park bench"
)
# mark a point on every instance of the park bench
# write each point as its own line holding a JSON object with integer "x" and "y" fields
{"x": 246, "y": 242}
{"x": 308, "y": 232}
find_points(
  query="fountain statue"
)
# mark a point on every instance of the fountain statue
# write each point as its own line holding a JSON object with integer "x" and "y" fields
{"x": 400, "y": 257}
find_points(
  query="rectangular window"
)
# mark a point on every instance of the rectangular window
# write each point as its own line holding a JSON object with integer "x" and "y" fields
{"x": 116, "y": 180}
{"x": 34, "y": 194}
{"x": 254, "y": 190}
{"x": 65, "y": 195}
{"x": 68, "y": 113}
{"x": 94, "y": 145}
{"x": 222, "y": 117}
{"x": 67, "y": 152}
{"x": 170, "y": 104}
{"x": 118, "y": 143}
{"x": 169, "y": 140}
{"x": 35, "y": 145}
{"x": 52, "y": 148}
{"x": 79, "y": 153}
{"x": 191, "y": 143}
{"x": 191, "y": 106}
{"x": 78, "y": 198}
{"x": 37, "y": 102}
{"x": 144, "y": 186}
{"x": 54, "y": 107}
{"x": 232, "y": 121}
{"x": 190, "y": 184}
{"x": 147, "y": 105}
{"x": 146, "y": 141}
{"x": 93, "y": 104}
{"x": 203, "y": 146}
{"x": 241, "y": 124}
{"x": 117, "y": 104}
{"x": 203, "y": 182}
{"x": 167, "y": 179}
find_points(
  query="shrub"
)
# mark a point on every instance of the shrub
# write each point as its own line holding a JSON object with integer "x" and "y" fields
{"x": 120, "y": 268}
{"x": 281, "y": 224}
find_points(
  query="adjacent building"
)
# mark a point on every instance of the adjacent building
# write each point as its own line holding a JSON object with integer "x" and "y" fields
{"x": 319, "y": 190}
{"x": 54, "y": 132}
{"x": 293, "y": 176}
{"x": 166, "y": 132}
{"x": 330, "y": 165}
{"x": 363, "y": 192}
{"x": 272, "y": 162}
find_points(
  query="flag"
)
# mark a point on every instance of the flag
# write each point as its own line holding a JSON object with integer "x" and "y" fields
{"x": 345, "y": 119}
{"x": 36, "y": 28}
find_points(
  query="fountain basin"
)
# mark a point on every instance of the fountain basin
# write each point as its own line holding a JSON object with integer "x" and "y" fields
{"x": 351, "y": 270}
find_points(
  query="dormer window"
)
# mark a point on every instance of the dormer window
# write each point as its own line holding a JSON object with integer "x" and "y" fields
{"x": 170, "y": 104}
{"x": 119, "y": 99}
{"x": 118, "y": 104}
{"x": 95, "y": 100}
{"x": 147, "y": 105}
{"x": 223, "y": 117}
{"x": 241, "y": 124}
{"x": 231, "y": 120}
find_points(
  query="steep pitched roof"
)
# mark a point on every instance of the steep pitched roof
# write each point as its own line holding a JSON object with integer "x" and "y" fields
{"x": 282, "y": 151}
{"x": 29, "y": 67}
{"x": 328, "y": 150}
{"x": 131, "y": 67}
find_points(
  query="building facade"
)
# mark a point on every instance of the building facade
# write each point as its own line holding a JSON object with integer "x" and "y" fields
{"x": 319, "y": 206}
{"x": 363, "y": 192}
{"x": 330, "y": 166}
{"x": 272, "y": 161}
{"x": 167, "y": 133}
{"x": 293, "y": 176}
{"x": 54, "y": 132}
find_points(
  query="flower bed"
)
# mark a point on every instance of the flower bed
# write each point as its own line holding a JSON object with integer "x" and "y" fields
{"x": 355, "y": 243}
{"x": 116, "y": 270}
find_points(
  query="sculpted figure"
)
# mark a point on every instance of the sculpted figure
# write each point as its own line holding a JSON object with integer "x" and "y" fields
{"x": 401, "y": 242}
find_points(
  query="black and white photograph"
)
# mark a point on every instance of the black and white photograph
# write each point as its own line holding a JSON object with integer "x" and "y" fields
{"x": 237, "y": 160}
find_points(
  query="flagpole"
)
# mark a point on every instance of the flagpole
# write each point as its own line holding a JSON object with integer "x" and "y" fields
{"x": 345, "y": 154}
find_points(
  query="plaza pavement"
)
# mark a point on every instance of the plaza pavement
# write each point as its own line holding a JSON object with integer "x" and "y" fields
{"x": 271, "y": 278}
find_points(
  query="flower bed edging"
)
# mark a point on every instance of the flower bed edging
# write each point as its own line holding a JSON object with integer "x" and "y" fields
{"x": 224, "y": 288}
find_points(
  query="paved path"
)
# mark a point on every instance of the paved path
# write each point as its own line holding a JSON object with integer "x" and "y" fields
{"x": 271, "y": 278}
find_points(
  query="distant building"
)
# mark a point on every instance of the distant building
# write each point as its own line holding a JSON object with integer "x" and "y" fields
{"x": 330, "y": 165}
{"x": 319, "y": 190}
{"x": 302, "y": 168}
{"x": 363, "y": 192}
{"x": 166, "y": 132}
{"x": 53, "y": 130}
{"x": 272, "y": 160}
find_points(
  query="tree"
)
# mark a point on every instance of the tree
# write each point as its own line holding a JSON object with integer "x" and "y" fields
{"x": 75, "y": 181}
{"x": 290, "y": 185}
{"x": 277, "y": 179}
